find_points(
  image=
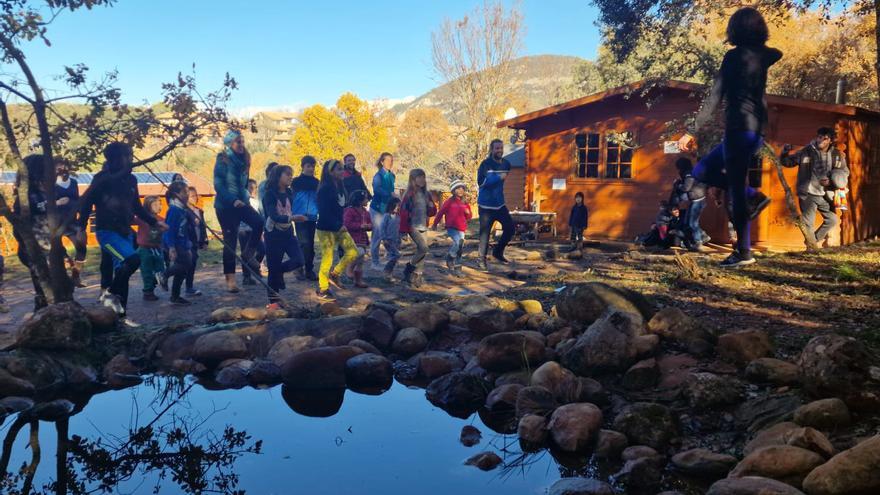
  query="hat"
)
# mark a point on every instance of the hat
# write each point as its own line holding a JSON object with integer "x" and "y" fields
{"x": 456, "y": 184}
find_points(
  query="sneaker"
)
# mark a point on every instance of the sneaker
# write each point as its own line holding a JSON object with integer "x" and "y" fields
{"x": 274, "y": 307}
{"x": 325, "y": 295}
{"x": 112, "y": 301}
{"x": 334, "y": 280}
{"x": 735, "y": 260}
{"x": 180, "y": 301}
{"x": 192, "y": 291}
{"x": 150, "y": 296}
{"x": 482, "y": 265}
{"x": 163, "y": 281}
{"x": 129, "y": 323}
{"x": 450, "y": 264}
{"x": 103, "y": 295}
{"x": 757, "y": 204}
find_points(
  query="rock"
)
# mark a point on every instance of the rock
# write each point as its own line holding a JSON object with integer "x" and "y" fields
{"x": 264, "y": 372}
{"x": 836, "y": 366}
{"x": 637, "y": 452}
{"x": 535, "y": 400}
{"x": 779, "y": 462}
{"x": 484, "y": 461}
{"x": 531, "y": 306}
{"x": 215, "y": 347}
{"x": 763, "y": 411}
{"x": 710, "y": 391}
{"x": 369, "y": 371}
{"x": 533, "y": 321}
{"x": 646, "y": 345}
{"x": 852, "y": 472}
{"x": 574, "y": 426}
{"x": 11, "y": 385}
{"x": 458, "y": 319}
{"x": 433, "y": 364}
{"x": 641, "y": 474}
{"x": 517, "y": 377}
{"x": 553, "y": 324}
{"x": 319, "y": 368}
{"x": 470, "y": 436}
{"x": 331, "y": 308}
{"x": 751, "y": 485}
{"x": 744, "y": 347}
{"x": 672, "y": 323}
{"x": 774, "y": 435}
{"x": 427, "y": 317}
{"x": 188, "y": 367}
{"x": 607, "y": 345}
{"x": 409, "y": 341}
{"x": 642, "y": 375}
{"x": 704, "y": 463}
{"x": 509, "y": 351}
{"x": 610, "y": 444}
{"x": 491, "y": 322}
{"x": 588, "y": 302}
{"x": 119, "y": 373}
{"x": 224, "y": 315}
{"x": 234, "y": 376}
{"x": 575, "y": 255}
{"x": 12, "y": 405}
{"x": 647, "y": 423}
{"x": 473, "y": 304}
{"x": 254, "y": 314}
{"x": 810, "y": 439}
{"x": 775, "y": 371}
{"x": 52, "y": 410}
{"x": 580, "y": 486}
{"x": 285, "y": 348}
{"x": 365, "y": 346}
{"x": 503, "y": 398}
{"x": 532, "y": 430}
{"x": 459, "y": 394}
{"x": 378, "y": 328}
{"x": 313, "y": 403}
{"x": 825, "y": 414}
{"x": 102, "y": 318}
{"x": 555, "y": 338}
{"x": 552, "y": 376}
{"x": 57, "y": 327}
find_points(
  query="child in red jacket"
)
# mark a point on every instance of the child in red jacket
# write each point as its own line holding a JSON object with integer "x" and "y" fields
{"x": 457, "y": 212}
{"x": 356, "y": 220}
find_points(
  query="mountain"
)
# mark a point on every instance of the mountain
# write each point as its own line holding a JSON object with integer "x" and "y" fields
{"x": 536, "y": 79}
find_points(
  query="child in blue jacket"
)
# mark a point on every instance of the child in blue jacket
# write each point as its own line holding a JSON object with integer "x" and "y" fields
{"x": 177, "y": 239}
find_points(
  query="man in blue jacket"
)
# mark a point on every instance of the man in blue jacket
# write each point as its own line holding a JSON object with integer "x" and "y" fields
{"x": 490, "y": 199}
{"x": 305, "y": 203}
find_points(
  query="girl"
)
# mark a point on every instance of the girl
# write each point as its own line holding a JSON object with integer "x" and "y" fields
{"x": 388, "y": 233}
{"x": 149, "y": 240}
{"x": 198, "y": 236}
{"x": 416, "y": 208}
{"x": 357, "y": 221}
{"x": 177, "y": 239}
{"x": 457, "y": 212}
{"x": 741, "y": 83}
{"x": 245, "y": 231}
{"x": 577, "y": 221}
{"x": 280, "y": 240}
{"x": 331, "y": 232}
{"x": 383, "y": 191}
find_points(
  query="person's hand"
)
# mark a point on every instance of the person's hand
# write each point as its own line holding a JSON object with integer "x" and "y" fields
{"x": 62, "y": 201}
{"x": 687, "y": 143}
{"x": 825, "y": 181}
{"x": 299, "y": 218}
{"x": 162, "y": 226}
{"x": 238, "y": 203}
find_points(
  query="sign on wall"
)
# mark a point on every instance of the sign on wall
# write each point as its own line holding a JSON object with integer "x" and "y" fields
{"x": 671, "y": 147}
{"x": 559, "y": 184}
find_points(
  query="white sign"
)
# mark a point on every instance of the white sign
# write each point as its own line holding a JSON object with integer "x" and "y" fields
{"x": 671, "y": 147}
{"x": 559, "y": 184}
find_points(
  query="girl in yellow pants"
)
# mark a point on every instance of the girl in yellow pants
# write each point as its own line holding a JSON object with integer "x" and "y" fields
{"x": 330, "y": 231}
{"x": 327, "y": 243}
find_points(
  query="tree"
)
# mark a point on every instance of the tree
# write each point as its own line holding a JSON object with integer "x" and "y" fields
{"x": 79, "y": 132}
{"x": 474, "y": 56}
{"x": 321, "y": 133}
{"x": 425, "y": 139}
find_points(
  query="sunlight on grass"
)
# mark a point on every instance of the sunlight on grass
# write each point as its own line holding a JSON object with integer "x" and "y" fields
{"x": 844, "y": 272}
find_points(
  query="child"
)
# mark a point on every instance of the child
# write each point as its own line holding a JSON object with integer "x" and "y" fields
{"x": 330, "y": 231}
{"x": 177, "y": 239}
{"x": 149, "y": 240}
{"x": 277, "y": 205}
{"x": 198, "y": 236}
{"x": 357, "y": 221}
{"x": 305, "y": 204}
{"x": 244, "y": 233}
{"x": 417, "y": 207}
{"x": 577, "y": 221}
{"x": 388, "y": 233}
{"x": 66, "y": 201}
{"x": 457, "y": 213}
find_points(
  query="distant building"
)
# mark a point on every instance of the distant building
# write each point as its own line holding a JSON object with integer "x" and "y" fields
{"x": 274, "y": 129}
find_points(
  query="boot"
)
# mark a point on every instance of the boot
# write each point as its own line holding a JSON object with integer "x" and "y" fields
{"x": 450, "y": 263}
{"x": 359, "y": 279}
{"x": 230, "y": 283}
{"x": 416, "y": 280}
{"x": 76, "y": 274}
{"x": 408, "y": 271}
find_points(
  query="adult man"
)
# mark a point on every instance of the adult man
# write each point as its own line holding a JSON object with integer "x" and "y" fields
{"x": 490, "y": 200}
{"x": 821, "y": 169}
{"x": 67, "y": 203}
{"x": 351, "y": 178}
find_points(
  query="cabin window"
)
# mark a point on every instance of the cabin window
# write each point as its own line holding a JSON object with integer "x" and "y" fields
{"x": 587, "y": 155}
{"x": 756, "y": 171}
{"x": 618, "y": 161}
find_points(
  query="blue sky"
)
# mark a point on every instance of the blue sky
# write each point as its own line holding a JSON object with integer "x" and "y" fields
{"x": 287, "y": 53}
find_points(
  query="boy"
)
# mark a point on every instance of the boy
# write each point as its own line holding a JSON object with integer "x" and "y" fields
{"x": 305, "y": 203}
{"x": 577, "y": 221}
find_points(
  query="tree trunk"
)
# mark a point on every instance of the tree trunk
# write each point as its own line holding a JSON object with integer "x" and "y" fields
{"x": 796, "y": 218}
{"x": 877, "y": 40}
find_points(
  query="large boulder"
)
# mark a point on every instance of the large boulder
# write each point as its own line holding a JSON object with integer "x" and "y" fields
{"x": 704, "y": 463}
{"x": 503, "y": 398}
{"x": 319, "y": 368}
{"x": 852, "y": 472}
{"x": 472, "y": 304}
{"x": 610, "y": 444}
{"x": 673, "y": 324}
{"x": 13, "y": 386}
{"x": 264, "y": 372}
{"x": 102, "y": 318}
{"x": 378, "y": 328}
{"x": 535, "y": 400}
{"x": 780, "y": 462}
{"x": 770, "y": 370}
{"x": 647, "y": 423}
{"x": 810, "y": 439}
{"x": 368, "y": 371}
{"x": 574, "y": 426}
{"x": 491, "y": 322}
{"x": 641, "y": 475}
{"x": 744, "y": 347}
{"x": 285, "y": 348}
{"x": 215, "y": 347}
{"x": 120, "y": 373}
{"x": 609, "y": 344}
{"x": 459, "y": 393}
{"x": 532, "y": 430}
{"x": 837, "y": 366}
{"x": 433, "y": 364}
{"x": 587, "y": 302}
{"x": 642, "y": 375}
{"x": 234, "y": 375}
{"x": 774, "y": 435}
{"x": 825, "y": 414}
{"x": 409, "y": 341}
{"x": 57, "y": 327}
{"x": 752, "y": 485}
{"x": 710, "y": 391}
{"x": 428, "y": 317}
{"x": 509, "y": 351}
{"x": 580, "y": 486}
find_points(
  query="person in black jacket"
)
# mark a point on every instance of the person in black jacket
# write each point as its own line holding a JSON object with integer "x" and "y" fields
{"x": 352, "y": 179}
{"x": 280, "y": 239}
{"x": 577, "y": 221}
{"x": 67, "y": 204}
{"x": 331, "y": 232}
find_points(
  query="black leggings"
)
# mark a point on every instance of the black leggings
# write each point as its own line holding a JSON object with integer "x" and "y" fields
{"x": 259, "y": 251}
{"x": 106, "y": 270}
{"x": 179, "y": 270}
{"x": 119, "y": 286}
{"x": 191, "y": 274}
{"x": 487, "y": 218}
{"x": 280, "y": 242}
{"x": 229, "y": 219}
{"x": 305, "y": 232}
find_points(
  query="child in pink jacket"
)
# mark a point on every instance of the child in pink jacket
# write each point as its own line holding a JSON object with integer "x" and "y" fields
{"x": 356, "y": 220}
{"x": 457, "y": 212}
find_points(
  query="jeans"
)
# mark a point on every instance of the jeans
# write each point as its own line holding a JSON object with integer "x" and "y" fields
{"x": 376, "y": 219}
{"x": 178, "y": 270}
{"x": 809, "y": 205}
{"x": 125, "y": 261}
{"x": 577, "y": 235}
{"x": 327, "y": 242}
{"x": 152, "y": 262}
{"x": 392, "y": 249}
{"x": 421, "y": 241}
{"x": 230, "y": 218}
{"x": 692, "y": 218}
{"x": 305, "y": 232}
{"x": 457, "y": 247}
{"x": 280, "y": 242}
{"x": 259, "y": 250}
{"x": 487, "y": 218}
{"x": 726, "y": 167}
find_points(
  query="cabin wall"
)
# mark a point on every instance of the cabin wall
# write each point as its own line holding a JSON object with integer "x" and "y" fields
{"x": 862, "y": 220}
{"x": 515, "y": 189}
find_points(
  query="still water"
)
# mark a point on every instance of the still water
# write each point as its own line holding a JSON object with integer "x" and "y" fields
{"x": 393, "y": 443}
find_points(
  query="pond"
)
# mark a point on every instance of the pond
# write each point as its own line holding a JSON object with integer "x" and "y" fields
{"x": 393, "y": 443}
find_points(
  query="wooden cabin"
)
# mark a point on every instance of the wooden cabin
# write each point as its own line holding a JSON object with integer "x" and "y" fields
{"x": 514, "y": 185}
{"x": 616, "y": 148}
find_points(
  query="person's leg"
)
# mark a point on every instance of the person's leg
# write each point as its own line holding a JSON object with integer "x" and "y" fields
{"x": 808, "y": 211}
{"x": 421, "y": 251}
{"x": 274, "y": 255}
{"x": 229, "y": 219}
{"x": 125, "y": 260}
{"x": 486, "y": 220}
{"x": 357, "y": 269}
{"x": 710, "y": 170}
{"x": 739, "y": 148}
{"x": 344, "y": 240}
{"x": 293, "y": 251}
{"x": 326, "y": 244}
{"x": 502, "y": 215}
{"x": 243, "y": 237}
{"x": 106, "y": 270}
{"x": 148, "y": 273}
{"x": 393, "y": 255}
{"x": 376, "y": 219}
{"x": 255, "y": 222}
{"x": 457, "y": 238}
{"x": 693, "y": 221}
{"x": 180, "y": 268}
{"x": 829, "y": 218}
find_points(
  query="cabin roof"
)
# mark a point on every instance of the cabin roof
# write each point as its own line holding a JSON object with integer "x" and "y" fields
{"x": 147, "y": 183}
{"x": 521, "y": 121}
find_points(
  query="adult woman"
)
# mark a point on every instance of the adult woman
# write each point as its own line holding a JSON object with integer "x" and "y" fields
{"x": 231, "y": 203}
{"x": 330, "y": 232}
{"x": 741, "y": 83}
{"x": 416, "y": 207}
{"x": 383, "y": 190}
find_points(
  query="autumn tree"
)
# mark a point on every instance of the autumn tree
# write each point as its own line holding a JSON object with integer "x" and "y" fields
{"x": 473, "y": 56}
{"x": 77, "y": 123}
{"x": 424, "y": 139}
